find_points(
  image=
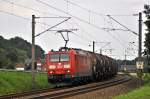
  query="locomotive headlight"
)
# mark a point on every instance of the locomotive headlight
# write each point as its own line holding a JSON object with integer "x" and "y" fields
{"x": 66, "y": 66}
{"x": 52, "y": 66}
{"x": 68, "y": 71}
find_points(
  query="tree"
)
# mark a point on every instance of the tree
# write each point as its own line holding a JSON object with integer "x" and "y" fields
{"x": 16, "y": 50}
{"x": 147, "y": 23}
{"x": 147, "y": 35}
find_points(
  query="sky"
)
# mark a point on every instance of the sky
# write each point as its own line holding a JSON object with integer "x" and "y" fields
{"x": 89, "y": 17}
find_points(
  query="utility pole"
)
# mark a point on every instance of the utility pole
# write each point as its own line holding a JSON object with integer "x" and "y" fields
{"x": 125, "y": 63}
{"x": 139, "y": 63}
{"x": 140, "y": 35}
{"x": 101, "y": 51}
{"x": 93, "y": 46}
{"x": 33, "y": 51}
{"x": 33, "y": 42}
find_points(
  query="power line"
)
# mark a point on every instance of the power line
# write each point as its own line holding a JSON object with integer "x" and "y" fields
{"x": 123, "y": 15}
{"x": 82, "y": 20}
{"x": 94, "y": 12}
{"x": 83, "y": 31}
{"x": 82, "y": 37}
{"x": 53, "y": 26}
{"x": 122, "y": 25}
{"x": 88, "y": 10}
{"x": 28, "y": 19}
{"x": 19, "y": 5}
{"x": 74, "y": 34}
{"x": 77, "y": 17}
{"x": 93, "y": 25}
{"x": 71, "y": 15}
{"x": 120, "y": 42}
{"x": 113, "y": 29}
{"x": 42, "y": 23}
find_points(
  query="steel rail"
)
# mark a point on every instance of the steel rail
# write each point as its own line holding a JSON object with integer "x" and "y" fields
{"x": 81, "y": 90}
{"x": 28, "y": 93}
{"x": 66, "y": 91}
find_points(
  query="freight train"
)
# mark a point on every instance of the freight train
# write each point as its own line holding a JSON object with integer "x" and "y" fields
{"x": 77, "y": 65}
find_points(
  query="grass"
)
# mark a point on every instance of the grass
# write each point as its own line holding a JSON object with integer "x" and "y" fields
{"x": 11, "y": 82}
{"x": 139, "y": 93}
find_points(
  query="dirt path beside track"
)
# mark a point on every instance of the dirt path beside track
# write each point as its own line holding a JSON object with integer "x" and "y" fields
{"x": 108, "y": 93}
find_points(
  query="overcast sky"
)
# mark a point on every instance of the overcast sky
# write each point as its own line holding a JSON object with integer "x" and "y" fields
{"x": 88, "y": 16}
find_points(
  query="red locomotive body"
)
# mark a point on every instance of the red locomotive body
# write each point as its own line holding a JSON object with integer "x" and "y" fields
{"x": 78, "y": 65}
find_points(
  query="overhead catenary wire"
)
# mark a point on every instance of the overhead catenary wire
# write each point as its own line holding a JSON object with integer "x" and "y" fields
{"x": 120, "y": 42}
{"x": 113, "y": 29}
{"x": 127, "y": 29}
{"x": 94, "y": 12}
{"x": 29, "y": 8}
{"x": 71, "y": 15}
{"x": 42, "y": 23}
{"x": 27, "y": 19}
{"x": 82, "y": 37}
{"x": 67, "y": 11}
{"x": 122, "y": 25}
{"x": 88, "y": 10}
{"x": 74, "y": 16}
{"x": 53, "y": 26}
{"x": 45, "y": 12}
{"x": 123, "y": 15}
{"x": 82, "y": 21}
{"x": 19, "y": 5}
{"x": 24, "y": 18}
{"x": 79, "y": 20}
{"x": 83, "y": 31}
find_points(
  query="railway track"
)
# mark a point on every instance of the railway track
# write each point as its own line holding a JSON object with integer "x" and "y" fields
{"x": 28, "y": 93}
{"x": 66, "y": 92}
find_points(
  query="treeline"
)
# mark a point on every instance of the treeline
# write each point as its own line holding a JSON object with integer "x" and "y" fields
{"x": 127, "y": 62}
{"x": 16, "y": 50}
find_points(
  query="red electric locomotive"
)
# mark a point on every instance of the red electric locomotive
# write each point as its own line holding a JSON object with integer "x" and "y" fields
{"x": 78, "y": 65}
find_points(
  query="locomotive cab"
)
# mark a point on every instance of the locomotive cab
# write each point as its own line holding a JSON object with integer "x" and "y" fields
{"x": 59, "y": 66}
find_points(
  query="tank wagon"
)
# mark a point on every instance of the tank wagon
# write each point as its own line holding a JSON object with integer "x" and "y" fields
{"x": 77, "y": 65}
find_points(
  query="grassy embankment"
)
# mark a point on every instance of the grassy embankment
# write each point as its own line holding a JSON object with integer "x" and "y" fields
{"x": 11, "y": 82}
{"x": 139, "y": 93}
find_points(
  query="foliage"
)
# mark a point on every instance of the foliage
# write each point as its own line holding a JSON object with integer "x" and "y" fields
{"x": 147, "y": 35}
{"x": 141, "y": 93}
{"x": 16, "y": 50}
{"x": 11, "y": 82}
